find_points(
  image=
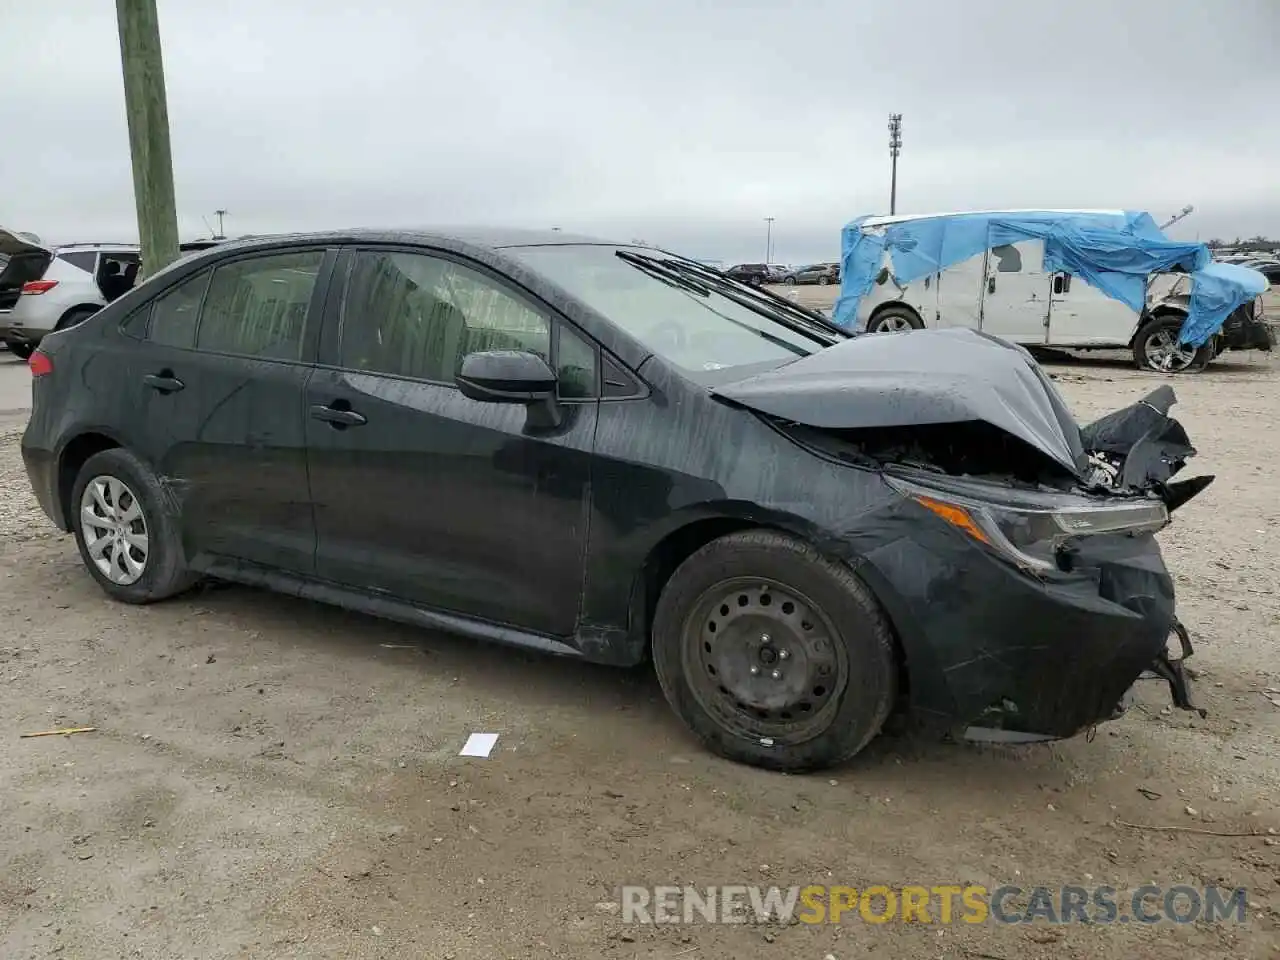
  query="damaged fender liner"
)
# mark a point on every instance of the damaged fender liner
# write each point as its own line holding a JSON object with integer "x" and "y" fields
{"x": 1172, "y": 672}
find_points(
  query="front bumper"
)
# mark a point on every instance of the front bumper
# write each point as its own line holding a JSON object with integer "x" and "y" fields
{"x": 990, "y": 648}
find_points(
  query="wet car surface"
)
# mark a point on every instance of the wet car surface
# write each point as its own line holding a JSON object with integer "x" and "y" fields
{"x": 614, "y": 453}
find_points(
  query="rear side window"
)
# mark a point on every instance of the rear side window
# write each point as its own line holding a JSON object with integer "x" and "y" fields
{"x": 174, "y": 313}
{"x": 258, "y": 307}
{"x": 86, "y": 260}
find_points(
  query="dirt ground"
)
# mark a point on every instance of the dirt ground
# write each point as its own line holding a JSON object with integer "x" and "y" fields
{"x": 274, "y": 778}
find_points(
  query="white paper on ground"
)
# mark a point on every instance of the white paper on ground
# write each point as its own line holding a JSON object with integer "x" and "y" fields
{"x": 479, "y": 745}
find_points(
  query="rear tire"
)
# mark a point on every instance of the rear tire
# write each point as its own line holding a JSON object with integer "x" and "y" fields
{"x": 22, "y": 351}
{"x": 790, "y": 281}
{"x": 1156, "y": 348}
{"x": 894, "y": 320}
{"x": 128, "y": 535}
{"x": 73, "y": 318}
{"x": 772, "y": 654}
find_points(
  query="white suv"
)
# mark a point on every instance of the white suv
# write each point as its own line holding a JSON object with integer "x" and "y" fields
{"x": 44, "y": 288}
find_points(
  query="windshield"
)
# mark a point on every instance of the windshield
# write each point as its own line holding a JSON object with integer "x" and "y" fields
{"x": 688, "y": 314}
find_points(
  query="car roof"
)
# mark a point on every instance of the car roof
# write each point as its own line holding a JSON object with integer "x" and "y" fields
{"x": 491, "y": 238}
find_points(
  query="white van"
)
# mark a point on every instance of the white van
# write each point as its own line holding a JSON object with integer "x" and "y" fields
{"x": 1006, "y": 290}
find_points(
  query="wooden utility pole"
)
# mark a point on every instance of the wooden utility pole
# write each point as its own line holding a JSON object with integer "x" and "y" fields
{"x": 148, "y": 112}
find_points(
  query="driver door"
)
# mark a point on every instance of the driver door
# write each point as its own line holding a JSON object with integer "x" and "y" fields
{"x": 429, "y": 496}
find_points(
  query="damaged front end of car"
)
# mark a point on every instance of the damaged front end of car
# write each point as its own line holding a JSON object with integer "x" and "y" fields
{"x": 1019, "y": 559}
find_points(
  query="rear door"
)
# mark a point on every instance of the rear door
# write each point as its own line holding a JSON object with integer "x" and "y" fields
{"x": 1015, "y": 292}
{"x": 218, "y": 383}
{"x": 423, "y": 493}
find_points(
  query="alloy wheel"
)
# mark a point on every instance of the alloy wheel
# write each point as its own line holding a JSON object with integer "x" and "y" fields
{"x": 114, "y": 530}
{"x": 1163, "y": 352}
{"x": 892, "y": 323}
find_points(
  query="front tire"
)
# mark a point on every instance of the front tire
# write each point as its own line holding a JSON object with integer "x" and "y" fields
{"x": 1156, "y": 348}
{"x": 772, "y": 654}
{"x": 129, "y": 540}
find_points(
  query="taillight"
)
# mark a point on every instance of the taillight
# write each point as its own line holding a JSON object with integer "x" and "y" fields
{"x": 40, "y": 364}
{"x": 33, "y": 288}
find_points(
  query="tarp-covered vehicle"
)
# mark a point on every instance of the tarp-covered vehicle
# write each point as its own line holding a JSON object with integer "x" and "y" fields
{"x": 1081, "y": 280}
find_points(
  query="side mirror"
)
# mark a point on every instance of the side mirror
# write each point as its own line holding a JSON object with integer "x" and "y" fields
{"x": 506, "y": 376}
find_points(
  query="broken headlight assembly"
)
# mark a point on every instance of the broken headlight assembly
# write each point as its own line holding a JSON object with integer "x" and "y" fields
{"x": 1026, "y": 527}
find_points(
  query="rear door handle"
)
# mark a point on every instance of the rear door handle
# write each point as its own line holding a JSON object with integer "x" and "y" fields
{"x": 338, "y": 418}
{"x": 164, "y": 382}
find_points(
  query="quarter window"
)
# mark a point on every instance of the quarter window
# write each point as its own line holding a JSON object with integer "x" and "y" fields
{"x": 413, "y": 315}
{"x": 173, "y": 314}
{"x": 575, "y": 365}
{"x": 86, "y": 260}
{"x": 258, "y": 307}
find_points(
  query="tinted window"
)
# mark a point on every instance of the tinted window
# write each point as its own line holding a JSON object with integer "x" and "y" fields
{"x": 86, "y": 260}
{"x": 258, "y": 307}
{"x": 414, "y": 315}
{"x": 174, "y": 313}
{"x": 575, "y": 365}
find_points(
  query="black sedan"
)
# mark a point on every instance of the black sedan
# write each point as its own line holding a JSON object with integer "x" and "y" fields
{"x": 615, "y": 453}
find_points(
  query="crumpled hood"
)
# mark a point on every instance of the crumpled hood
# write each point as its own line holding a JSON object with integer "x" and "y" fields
{"x": 916, "y": 378}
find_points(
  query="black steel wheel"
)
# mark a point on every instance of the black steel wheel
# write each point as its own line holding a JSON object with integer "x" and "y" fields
{"x": 773, "y": 654}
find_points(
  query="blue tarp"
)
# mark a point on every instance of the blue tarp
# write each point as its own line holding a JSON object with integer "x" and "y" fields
{"x": 1114, "y": 252}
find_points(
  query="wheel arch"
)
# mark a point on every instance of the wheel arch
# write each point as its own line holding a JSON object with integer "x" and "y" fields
{"x": 679, "y": 544}
{"x": 1159, "y": 312}
{"x": 73, "y": 455}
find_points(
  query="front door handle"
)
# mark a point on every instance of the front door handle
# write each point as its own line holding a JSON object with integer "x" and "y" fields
{"x": 991, "y": 284}
{"x": 164, "y": 382}
{"x": 336, "y": 417}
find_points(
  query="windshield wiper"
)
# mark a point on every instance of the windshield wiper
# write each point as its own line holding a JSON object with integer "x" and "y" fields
{"x": 658, "y": 270}
{"x": 791, "y": 315}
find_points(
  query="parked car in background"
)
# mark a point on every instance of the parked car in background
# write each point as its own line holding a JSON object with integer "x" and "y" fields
{"x": 820, "y": 273}
{"x": 613, "y": 453}
{"x": 754, "y": 274}
{"x": 47, "y": 288}
{"x": 778, "y": 272}
{"x": 1271, "y": 299}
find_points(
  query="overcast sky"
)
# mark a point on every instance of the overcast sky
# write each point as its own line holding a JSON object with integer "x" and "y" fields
{"x": 681, "y": 122}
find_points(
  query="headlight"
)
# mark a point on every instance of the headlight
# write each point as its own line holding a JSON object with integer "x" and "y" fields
{"x": 1030, "y": 527}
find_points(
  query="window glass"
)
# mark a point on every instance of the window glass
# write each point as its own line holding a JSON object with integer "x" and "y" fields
{"x": 414, "y": 315}
{"x": 689, "y": 317}
{"x": 86, "y": 260}
{"x": 258, "y": 307}
{"x": 575, "y": 365}
{"x": 1008, "y": 258}
{"x": 173, "y": 314}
